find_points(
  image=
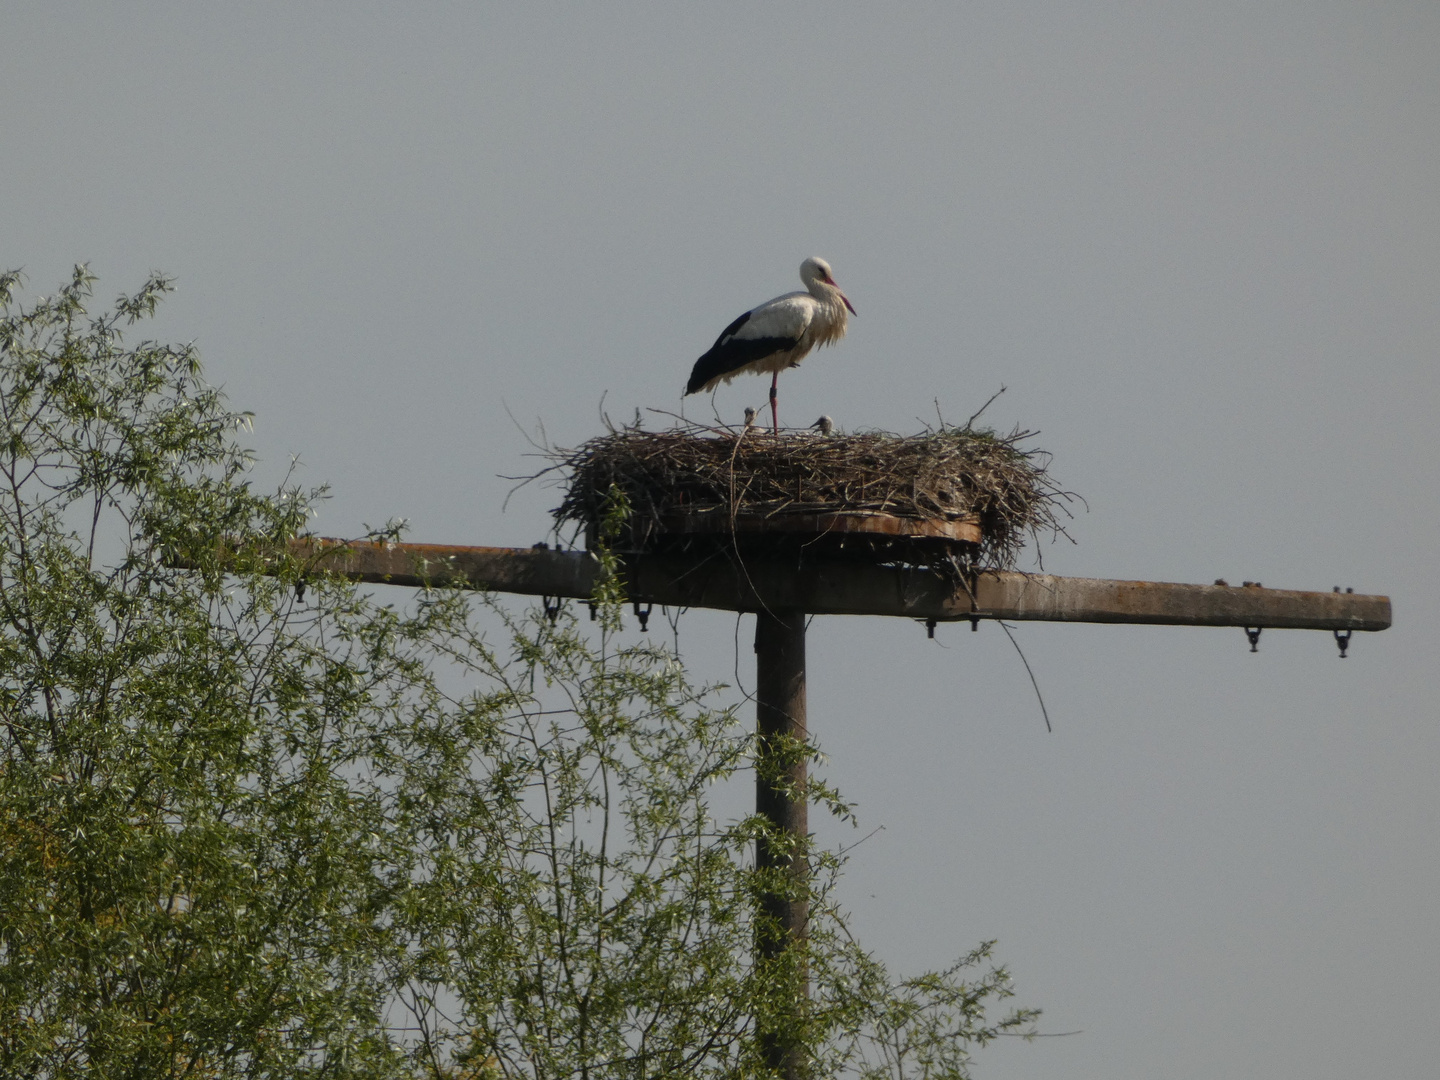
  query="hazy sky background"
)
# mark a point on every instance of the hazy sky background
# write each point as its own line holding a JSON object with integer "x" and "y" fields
{"x": 1200, "y": 244}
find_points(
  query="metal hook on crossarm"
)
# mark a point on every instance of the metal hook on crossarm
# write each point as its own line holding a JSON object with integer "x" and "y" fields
{"x": 1342, "y": 637}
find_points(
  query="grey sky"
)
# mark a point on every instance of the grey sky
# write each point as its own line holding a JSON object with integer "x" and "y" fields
{"x": 1199, "y": 243}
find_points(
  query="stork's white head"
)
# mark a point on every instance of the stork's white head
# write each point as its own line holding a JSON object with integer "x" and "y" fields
{"x": 815, "y": 273}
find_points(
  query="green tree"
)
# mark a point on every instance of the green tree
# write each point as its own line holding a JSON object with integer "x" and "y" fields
{"x": 249, "y": 833}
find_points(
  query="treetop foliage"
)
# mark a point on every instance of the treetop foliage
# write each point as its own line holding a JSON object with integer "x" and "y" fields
{"x": 246, "y": 833}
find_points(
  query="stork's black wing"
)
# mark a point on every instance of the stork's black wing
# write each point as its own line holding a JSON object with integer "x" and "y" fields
{"x": 732, "y": 350}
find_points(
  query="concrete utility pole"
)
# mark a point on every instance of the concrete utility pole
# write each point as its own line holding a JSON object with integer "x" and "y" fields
{"x": 780, "y": 777}
{"x": 782, "y": 594}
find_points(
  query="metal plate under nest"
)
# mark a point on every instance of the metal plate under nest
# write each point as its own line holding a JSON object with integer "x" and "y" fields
{"x": 836, "y": 524}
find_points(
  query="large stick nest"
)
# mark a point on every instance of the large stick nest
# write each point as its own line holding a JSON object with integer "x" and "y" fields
{"x": 949, "y": 474}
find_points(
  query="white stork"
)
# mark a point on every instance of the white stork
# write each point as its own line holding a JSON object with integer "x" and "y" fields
{"x": 776, "y": 335}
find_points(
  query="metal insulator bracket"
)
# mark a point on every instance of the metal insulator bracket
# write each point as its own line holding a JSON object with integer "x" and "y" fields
{"x": 1253, "y": 633}
{"x": 643, "y": 614}
{"x": 1342, "y": 637}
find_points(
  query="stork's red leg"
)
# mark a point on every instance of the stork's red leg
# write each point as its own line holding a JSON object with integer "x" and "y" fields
{"x": 774, "y": 407}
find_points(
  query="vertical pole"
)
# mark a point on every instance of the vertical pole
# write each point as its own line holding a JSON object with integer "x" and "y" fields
{"x": 780, "y": 796}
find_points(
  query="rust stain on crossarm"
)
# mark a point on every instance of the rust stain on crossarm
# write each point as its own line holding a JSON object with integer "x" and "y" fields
{"x": 528, "y": 571}
{"x": 1064, "y": 599}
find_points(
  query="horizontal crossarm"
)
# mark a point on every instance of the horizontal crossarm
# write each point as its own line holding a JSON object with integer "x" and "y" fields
{"x": 834, "y": 587}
